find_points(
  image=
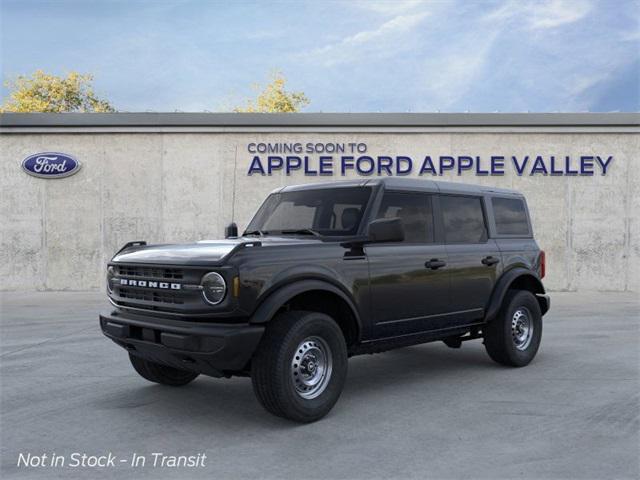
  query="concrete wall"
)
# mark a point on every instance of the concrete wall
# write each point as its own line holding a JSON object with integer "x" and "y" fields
{"x": 181, "y": 186}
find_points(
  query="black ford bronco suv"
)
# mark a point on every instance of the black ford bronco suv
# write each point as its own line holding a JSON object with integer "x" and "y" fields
{"x": 326, "y": 271}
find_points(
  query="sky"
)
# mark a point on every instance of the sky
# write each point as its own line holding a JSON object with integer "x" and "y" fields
{"x": 346, "y": 56}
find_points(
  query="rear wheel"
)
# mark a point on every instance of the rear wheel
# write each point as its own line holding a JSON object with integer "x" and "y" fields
{"x": 513, "y": 337}
{"x": 157, "y": 373}
{"x": 300, "y": 366}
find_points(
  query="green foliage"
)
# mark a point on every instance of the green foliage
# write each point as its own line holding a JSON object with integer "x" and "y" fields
{"x": 275, "y": 99}
{"x": 42, "y": 92}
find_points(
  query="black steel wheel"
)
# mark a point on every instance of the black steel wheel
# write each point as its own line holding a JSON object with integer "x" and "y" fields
{"x": 513, "y": 337}
{"x": 300, "y": 366}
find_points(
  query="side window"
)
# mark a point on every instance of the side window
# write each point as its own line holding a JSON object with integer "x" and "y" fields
{"x": 415, "y": 212}
{"x": 463, "y": 219}
{"x": 510, "y": 215}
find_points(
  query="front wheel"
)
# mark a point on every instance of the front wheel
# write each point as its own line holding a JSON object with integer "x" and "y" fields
{"x": 513, "y": 337}
{"x": 300, "y": 366}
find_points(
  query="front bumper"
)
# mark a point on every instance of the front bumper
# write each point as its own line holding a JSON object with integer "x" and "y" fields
{"x": 214, "y": 349}
{"x": 544, "y": 301}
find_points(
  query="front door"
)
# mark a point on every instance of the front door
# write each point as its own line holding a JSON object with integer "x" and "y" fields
{"x": 409, "y": 280}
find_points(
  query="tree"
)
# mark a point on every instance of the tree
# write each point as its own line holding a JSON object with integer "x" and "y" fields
{"x": 275, "y": 99}
{"x": 42, "y": 92}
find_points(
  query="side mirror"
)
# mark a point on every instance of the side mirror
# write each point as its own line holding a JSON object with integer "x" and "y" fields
{"x": 386, "y": 230}
{"x": 231, "y": 230}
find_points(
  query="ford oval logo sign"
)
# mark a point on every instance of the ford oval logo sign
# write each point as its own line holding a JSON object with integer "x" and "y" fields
{"x": 50, "y": 165}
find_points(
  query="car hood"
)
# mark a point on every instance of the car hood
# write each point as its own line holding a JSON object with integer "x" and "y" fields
{"x": 203, "y": 252}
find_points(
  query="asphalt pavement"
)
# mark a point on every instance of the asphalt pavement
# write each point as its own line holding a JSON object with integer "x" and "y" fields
{"x": 419, "y": 412}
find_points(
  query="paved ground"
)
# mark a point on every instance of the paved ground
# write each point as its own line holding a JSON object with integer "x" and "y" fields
{"x": 419, "y": 412}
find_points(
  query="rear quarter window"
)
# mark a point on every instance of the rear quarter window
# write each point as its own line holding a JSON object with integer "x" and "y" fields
{"x": 510, "y": 216}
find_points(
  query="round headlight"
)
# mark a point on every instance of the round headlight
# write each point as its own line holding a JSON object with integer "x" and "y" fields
{"x": 111, "y": 272}
{"x": 213, "y": 288}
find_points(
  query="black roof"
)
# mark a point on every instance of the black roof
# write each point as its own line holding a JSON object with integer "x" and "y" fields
{"x": 404, "y": 183}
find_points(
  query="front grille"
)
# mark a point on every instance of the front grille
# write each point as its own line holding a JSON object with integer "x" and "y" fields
{"x": 157, "y": 292}
{"x": 150, "y": 272}
{"x": 148, "y": 295}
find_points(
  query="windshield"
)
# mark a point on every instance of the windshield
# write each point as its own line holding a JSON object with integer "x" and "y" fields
{"x": 327, "y": 211}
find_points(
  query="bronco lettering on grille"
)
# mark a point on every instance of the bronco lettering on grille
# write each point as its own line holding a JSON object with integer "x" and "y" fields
{"x": 149, "y": 284}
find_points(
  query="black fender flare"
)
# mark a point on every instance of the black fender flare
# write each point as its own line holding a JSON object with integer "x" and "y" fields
{"x": 275, "y": 300}
{"x": 504, "y": 283}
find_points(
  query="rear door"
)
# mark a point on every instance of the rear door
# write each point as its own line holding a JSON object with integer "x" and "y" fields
{"x": 473, "y": 258}
{"x": 408, "y": 295}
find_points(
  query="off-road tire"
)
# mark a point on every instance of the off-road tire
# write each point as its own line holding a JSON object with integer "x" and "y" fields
{"x": 498, "y": 337}
{"x": 165, "y": 375}
{"x": 271, "y": 365}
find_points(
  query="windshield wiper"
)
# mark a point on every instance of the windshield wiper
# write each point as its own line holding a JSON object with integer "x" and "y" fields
{"x": 301, "y": 231}
{"x": 255, "y": 232}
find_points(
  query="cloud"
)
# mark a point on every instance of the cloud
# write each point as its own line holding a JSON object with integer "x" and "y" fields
{"x": 541, "y": 15}
{"x": 453, "y": 72}
{"x": 384, "y": 40}
{"x": 389, "y": 7}
{"x": 630, "y": 36}
{"x": 583, "y": 82}
{"x": 554, "y": 13}
{"x": 559, "y": 68}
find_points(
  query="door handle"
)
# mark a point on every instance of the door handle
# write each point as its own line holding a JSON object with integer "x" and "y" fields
{"x": 435, "y": 264}
{"x": 488, "y": 261}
